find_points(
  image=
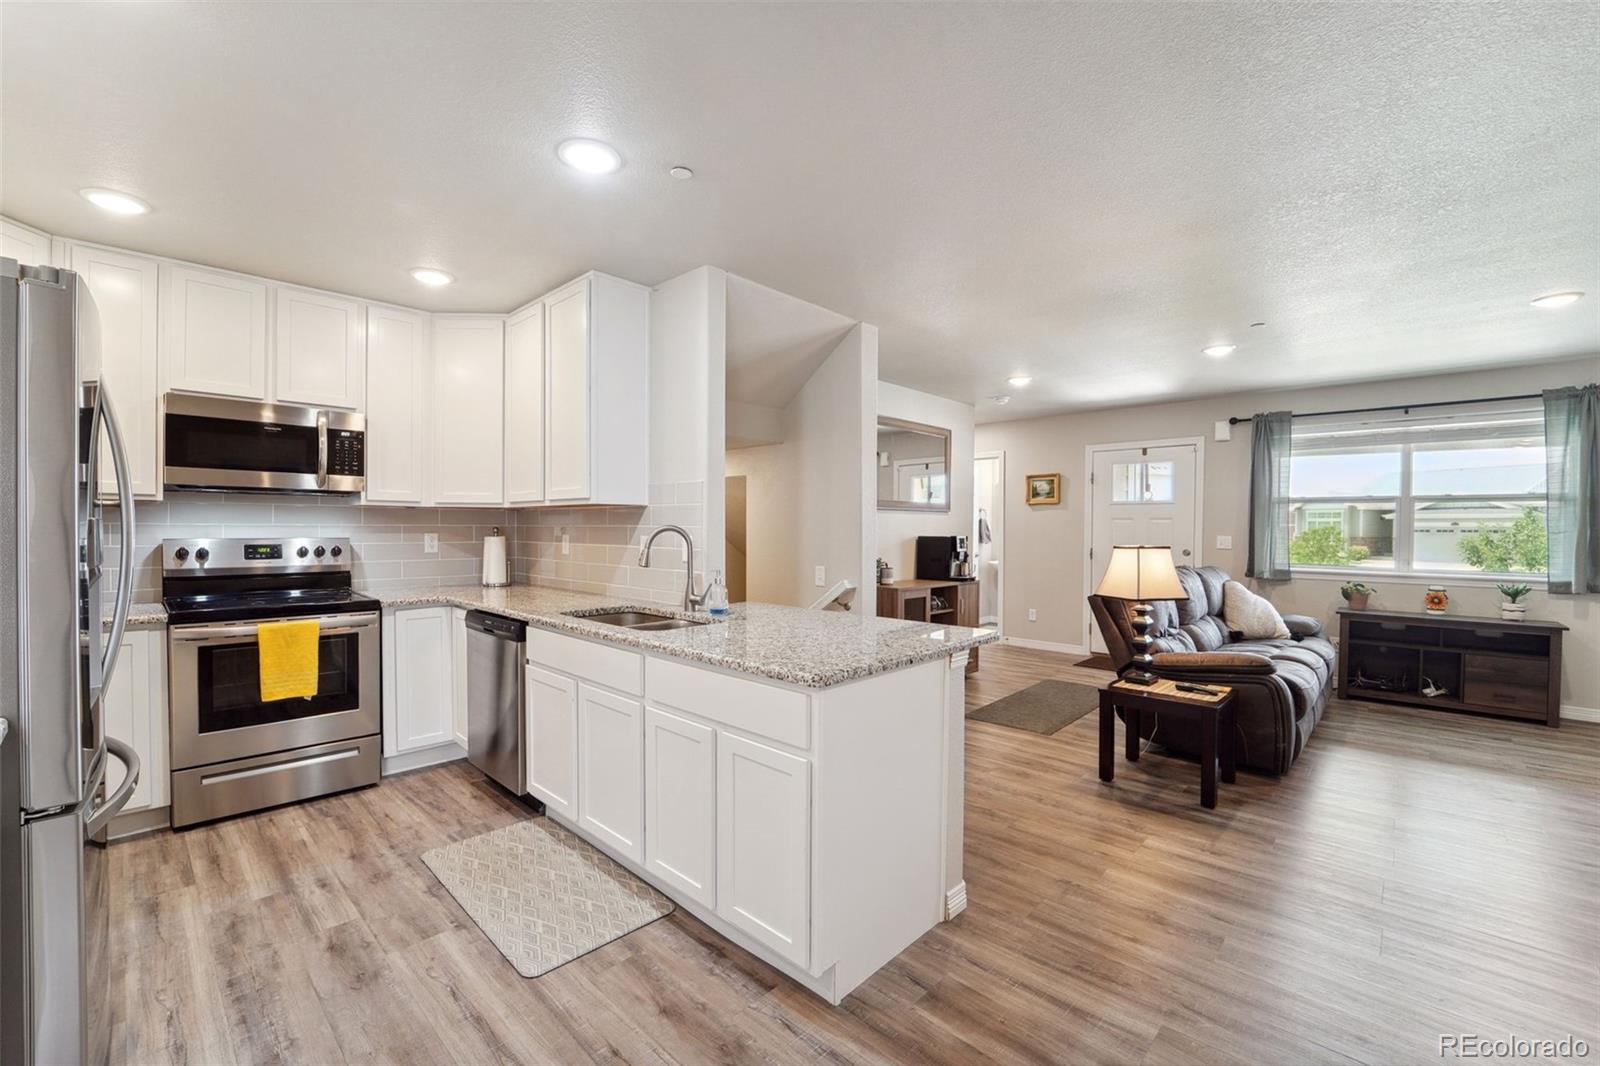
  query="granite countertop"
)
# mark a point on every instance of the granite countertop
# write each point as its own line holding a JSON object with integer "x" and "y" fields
{"x": 140, "y": 615}
{"x": 814, "y": 649}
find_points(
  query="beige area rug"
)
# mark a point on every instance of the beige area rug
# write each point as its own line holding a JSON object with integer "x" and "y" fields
{"x": 541, "y": 895}
{"x": 1044, "y": 707}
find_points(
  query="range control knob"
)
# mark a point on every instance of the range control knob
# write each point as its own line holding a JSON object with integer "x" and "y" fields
{"x": 320, "y": 552}
{"x": 336, "y": 551}
{"x": 202, "y": 554}
{"x": 302, "y": 551}
{"x": 181, "y": 554}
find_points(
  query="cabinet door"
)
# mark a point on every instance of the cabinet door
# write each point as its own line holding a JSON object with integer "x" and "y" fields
{"x": 680, "y": 803}
{"x": 26, "y": 245}
{"x": 553, "y": 741}
{"x": 525, "y": 406}
{"x": 124, "y": 291}
{"x": 567, "y": 451}
{"x": 397, "y": 389}
{"x": 458, "y": 643}
{"x": 611, "y": 769}
{"x": 468, "y": 384}
{"x": 214, "y": 332}
{"x": 424, "y": 685}
{"x": 321, "y": 350}
{"x": 136, "y": 713}
{"x": 763, "y": 844}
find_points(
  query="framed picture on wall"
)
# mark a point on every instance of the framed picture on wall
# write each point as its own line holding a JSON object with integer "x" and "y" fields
{"x": 1043, "y": 489}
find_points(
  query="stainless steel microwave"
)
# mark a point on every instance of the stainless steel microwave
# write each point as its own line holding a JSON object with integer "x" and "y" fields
{"x": 245, "y": 446}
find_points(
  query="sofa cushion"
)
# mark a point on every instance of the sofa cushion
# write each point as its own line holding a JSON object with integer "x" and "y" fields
{"x": 1252, "y": 615}
{"x": 1197, "y": 605}
{"x": 1207, "y": 633}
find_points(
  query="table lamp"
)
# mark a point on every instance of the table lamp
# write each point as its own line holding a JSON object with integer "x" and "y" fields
{"x": 1141, "y": 573}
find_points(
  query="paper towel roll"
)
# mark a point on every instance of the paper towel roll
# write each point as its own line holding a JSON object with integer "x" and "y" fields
{"x": 494, "y": 560}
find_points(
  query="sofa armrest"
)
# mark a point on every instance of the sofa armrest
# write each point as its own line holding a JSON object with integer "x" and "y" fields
{"x": 1302, "y": 625}
{"x": 1173, "y": 663}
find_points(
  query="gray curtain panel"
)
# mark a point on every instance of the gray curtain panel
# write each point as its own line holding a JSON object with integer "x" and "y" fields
{"x": 1270, "y": 527}
{"x": 1572, "y": 487}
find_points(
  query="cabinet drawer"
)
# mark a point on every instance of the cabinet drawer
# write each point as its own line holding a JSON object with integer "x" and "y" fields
{"x": 765, "y": 710}
{"x": 1509, "y": 684}
{"x": 615, "y": 668}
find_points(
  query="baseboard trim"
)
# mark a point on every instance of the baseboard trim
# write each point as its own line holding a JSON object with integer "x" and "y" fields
{"x": 416, "y": 760}
{"x": 955, "y": 901}
{"x": 1046, "y": 645}
{"x": 1573, "y": 713}
{"x": 138, "y": 823}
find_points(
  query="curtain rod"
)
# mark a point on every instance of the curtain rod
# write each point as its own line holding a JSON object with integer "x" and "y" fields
{"x": 1402, "y": 407}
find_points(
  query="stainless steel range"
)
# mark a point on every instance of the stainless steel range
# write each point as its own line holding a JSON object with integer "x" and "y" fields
{"x": 232, "y": 751}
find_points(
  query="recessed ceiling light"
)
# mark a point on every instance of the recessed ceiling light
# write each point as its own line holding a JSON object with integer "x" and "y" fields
{"x": 1019, "y": 381}
{"x": 116, "y": 202}
{"x": 1001, "y": 400}
{"x": 430, "y": 276}
{"x": 681, "y": 173}
{"x": 591, "y": 157}
{"x": 1557, "y": 299}
{"x": 1217, "y": 351}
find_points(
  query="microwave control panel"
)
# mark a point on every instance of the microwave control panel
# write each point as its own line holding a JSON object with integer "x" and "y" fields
{"x": 345, "y": 452}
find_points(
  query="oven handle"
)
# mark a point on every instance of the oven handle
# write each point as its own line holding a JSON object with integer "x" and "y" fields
{"x": 332, "y": 625}
{"x": 322, "y": 449}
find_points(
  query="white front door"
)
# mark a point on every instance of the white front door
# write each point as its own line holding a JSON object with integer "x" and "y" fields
{"x": 1141, "y": 496}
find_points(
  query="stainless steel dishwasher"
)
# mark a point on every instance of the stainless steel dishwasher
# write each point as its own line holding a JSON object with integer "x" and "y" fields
{"x": 495, "y": 731}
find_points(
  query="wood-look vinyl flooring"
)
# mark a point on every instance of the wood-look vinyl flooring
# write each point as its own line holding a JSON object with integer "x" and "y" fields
{"x": 1417, "y": 873}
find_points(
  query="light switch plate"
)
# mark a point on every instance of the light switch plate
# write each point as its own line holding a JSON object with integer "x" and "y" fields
{"x": 1033, "y": 615}
{"x": 1224, "y": 430}
{"x": 566, "y": 543}
{"x": 822, "y": 577}
{"x": 1225, "y": 543}
{"x": 430, "y": 543}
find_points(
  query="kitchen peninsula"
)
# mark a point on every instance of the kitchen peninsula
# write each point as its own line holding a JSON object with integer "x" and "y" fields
{"x": 792, "y": 778}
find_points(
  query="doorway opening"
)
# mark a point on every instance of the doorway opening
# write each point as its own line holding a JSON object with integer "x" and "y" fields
{"x": 988, "y": 535}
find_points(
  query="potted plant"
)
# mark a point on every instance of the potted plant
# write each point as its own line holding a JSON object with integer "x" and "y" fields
{"x": 1513, "y": 610}
{"x": 1355, "y": 593}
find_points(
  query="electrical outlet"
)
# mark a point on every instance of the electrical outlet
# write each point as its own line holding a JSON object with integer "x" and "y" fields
{"x": 430, "y": 543}
{"x": 1033, "y": 615}
{"x": 1225, "y": 543}
{"x": 566, "y": 543}
{"x": 822, "y": 577}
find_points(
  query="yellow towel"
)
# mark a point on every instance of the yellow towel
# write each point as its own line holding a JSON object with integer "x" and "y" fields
{"x": 288, "y": 658}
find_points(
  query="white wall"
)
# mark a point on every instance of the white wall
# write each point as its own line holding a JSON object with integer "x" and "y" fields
{"x": 1044, "y": 546}
{"x": 772, "y": 516}
{"x": 898, "y": 530}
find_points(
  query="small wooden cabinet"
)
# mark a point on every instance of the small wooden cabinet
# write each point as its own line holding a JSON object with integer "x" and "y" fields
{"x": 924, "y": 600}
{"x": 1485, "y": 665}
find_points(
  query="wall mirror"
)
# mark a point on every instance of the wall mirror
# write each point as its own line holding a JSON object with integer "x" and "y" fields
{"x": 913, "y": 466}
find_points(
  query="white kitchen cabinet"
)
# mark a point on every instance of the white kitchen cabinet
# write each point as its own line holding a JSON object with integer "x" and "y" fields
{"x": 552, "y": 738}
{"x": 458, "y": 645}
{"x": 419, "y": 696}
{"x": 611, "y": 769}
{"x": 468, "y": 410}
{"x": 399, "y": 378}
{"x": 25, "y": 244}
{"x": 524, "y": 405}
{"x": 213, "y": 332}
{"x": 135, "y": 707}
{"x": 125, "y": 291}
{"x": 319, "y": 350}
{"x": 680, "y": 803}
{"x": 597, "y": 437}
{"x": 763, "y": 844}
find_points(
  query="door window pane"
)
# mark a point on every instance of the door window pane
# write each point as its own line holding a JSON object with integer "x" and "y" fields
{"x": 1489, "y": 536}
{"x": 1343, "y": 533}
{"x": 1142, "y": 482}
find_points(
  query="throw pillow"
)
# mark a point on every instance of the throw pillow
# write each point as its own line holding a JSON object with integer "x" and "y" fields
{"x": 1252, "y": 615}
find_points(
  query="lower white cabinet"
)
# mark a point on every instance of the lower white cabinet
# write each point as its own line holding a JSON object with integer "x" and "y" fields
{"x": 458, "y": 643}
{"x": 680, "y": 803}
{"x": 552, "y": 737}
{"x": 611, "y": 769}
{"x": 763, "y": 844}
{"x": 419, "y": 683}
{"x": 135, "y": 707}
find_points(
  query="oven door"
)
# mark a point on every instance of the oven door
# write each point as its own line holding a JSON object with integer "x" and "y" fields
{"x": 242, "y": 445}
{"x": 217, "y": 709}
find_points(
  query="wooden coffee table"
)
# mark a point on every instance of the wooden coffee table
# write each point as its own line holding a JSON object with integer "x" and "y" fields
{"x": 1214, "y": 713}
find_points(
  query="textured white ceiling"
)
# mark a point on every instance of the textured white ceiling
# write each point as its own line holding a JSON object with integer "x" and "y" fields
{"x": 1089, "y": 192}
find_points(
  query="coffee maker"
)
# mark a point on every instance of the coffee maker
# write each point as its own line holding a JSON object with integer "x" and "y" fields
{"x": 944, "y": 559}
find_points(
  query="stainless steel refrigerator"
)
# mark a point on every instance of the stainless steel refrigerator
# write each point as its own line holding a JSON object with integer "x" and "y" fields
{"x": 56, "y": 657}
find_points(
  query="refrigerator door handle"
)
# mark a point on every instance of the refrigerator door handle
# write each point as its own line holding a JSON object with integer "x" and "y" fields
{"x": 125, "y": 531}
{"x": 114, "y": 803}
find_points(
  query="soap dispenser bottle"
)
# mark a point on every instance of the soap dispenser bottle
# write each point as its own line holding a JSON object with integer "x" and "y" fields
{"x": 716, "y": 595}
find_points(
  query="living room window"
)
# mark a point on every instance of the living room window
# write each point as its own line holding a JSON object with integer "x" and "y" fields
{"x": 1433, "y": 496}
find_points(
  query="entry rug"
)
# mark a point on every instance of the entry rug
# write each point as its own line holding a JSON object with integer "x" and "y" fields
{"x": 1042, "y": 708}
{"x": 541, "y": 895}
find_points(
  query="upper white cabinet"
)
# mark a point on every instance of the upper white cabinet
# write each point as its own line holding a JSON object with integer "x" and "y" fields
{"x": 214, "y": 332}
{"x": 25, "y": 244}
{"x": 398, "y": 380}
{"x": 524, "y": 414}
{"x": 320, "y": 351}
{"x": 597, "y": 443}
{"x": 468, "y": 412}
{"x": 124, "y": 288}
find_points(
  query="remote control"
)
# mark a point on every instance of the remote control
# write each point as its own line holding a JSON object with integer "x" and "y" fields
{"x": 1184, "y": 686}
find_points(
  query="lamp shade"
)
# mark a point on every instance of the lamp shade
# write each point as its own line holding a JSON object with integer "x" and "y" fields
{"x": 1141, "y": 572}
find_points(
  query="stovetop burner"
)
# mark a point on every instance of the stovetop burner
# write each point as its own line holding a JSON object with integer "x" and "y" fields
{"x": 268, "y": 603}
{"x": 239, "y": 579}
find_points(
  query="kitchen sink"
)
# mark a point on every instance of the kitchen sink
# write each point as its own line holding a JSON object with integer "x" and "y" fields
{"x": 670, "y": 623}
{"x": 644, "y": 621}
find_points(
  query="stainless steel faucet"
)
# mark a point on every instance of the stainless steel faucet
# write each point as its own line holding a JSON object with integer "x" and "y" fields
{"x": 691, "y": 598}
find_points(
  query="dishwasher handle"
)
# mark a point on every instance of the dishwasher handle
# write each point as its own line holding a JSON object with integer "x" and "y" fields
{"x": 497, "y": 626}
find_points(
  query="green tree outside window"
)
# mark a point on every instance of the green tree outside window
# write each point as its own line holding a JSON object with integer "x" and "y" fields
{"x": 1520, "y": 546}
{"x": 1325, "y": 546}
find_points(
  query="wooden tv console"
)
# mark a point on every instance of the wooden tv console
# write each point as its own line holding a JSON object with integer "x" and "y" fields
{"x": 912, "y": 599}
{"x": 1487, "y": 665}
